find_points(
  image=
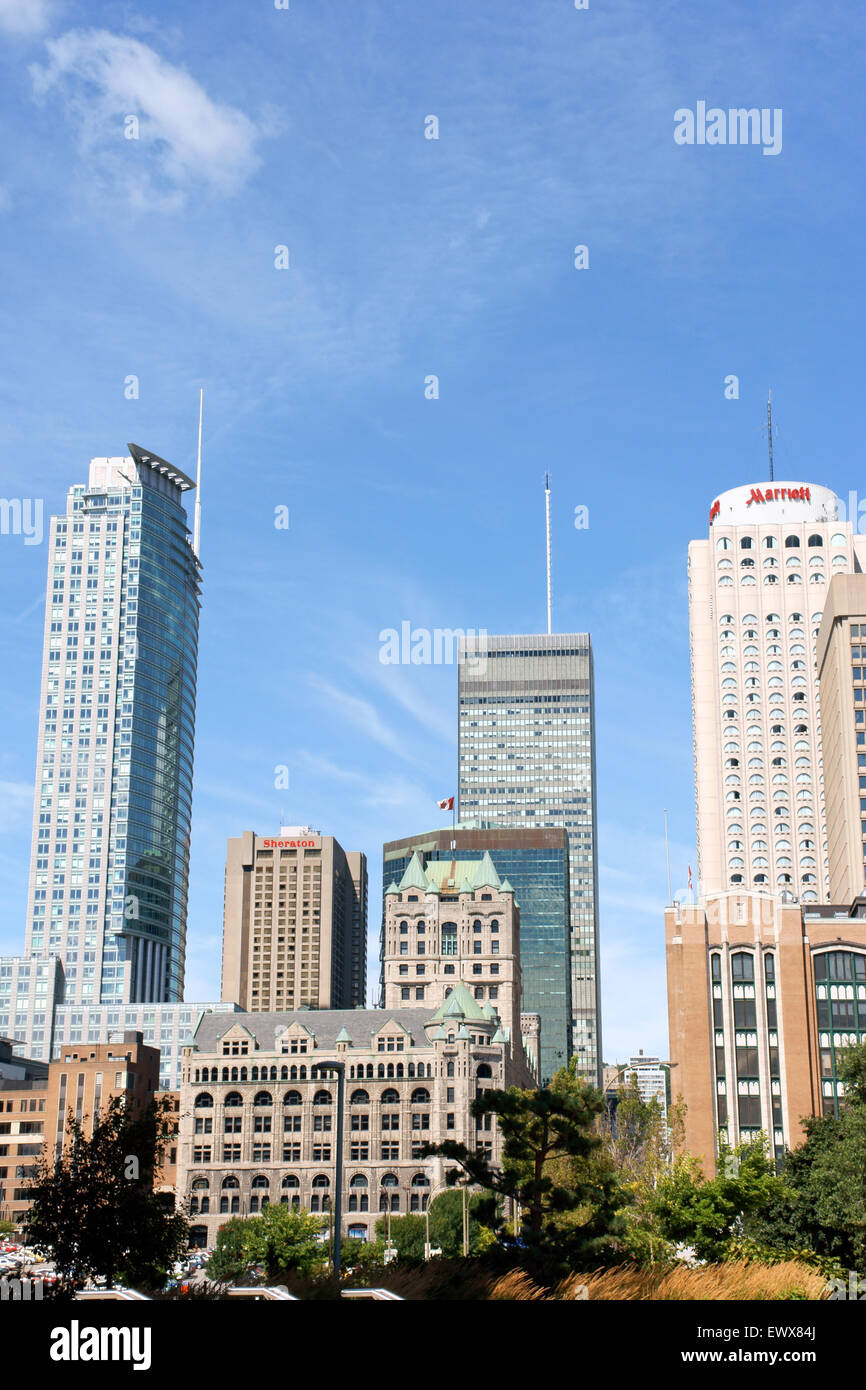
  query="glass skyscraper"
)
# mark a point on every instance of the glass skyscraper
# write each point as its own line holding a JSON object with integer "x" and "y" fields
{"x": 535, "y": 863}
{"x": 110, "y": 850}
{"x": 526, "y": 754}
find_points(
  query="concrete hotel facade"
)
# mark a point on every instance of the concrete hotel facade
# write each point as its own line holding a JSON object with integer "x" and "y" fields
{"x": 526, "y": 754}
{"x": 295, "y": 922}
{"x": 258, "y": 1125}
{"x": 757, "y": 589}
{"x": 763, "y": 996}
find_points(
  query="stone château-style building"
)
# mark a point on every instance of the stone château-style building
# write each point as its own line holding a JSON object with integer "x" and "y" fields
{"x": 258, "y": 1120}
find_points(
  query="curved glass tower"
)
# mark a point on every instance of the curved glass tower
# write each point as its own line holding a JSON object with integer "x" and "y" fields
{"x": 110, "y": 854}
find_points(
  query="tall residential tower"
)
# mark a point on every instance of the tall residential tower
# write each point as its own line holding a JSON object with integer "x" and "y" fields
{"x": 110, "y": 851}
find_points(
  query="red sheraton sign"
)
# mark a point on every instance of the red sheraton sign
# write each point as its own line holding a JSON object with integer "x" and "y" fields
{"x": 288, "y": 844}
{"x": 769, "y": 494}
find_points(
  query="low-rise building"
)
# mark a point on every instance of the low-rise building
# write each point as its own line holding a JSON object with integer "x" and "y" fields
{"x": 35, "y": 1105}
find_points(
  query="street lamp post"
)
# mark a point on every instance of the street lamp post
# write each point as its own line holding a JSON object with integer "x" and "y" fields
{"x": 340, "y": 1069}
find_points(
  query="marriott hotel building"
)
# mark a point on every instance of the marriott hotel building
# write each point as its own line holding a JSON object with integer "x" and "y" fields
{"x": 767, "y": 969}
{"x": 757, "y": 589}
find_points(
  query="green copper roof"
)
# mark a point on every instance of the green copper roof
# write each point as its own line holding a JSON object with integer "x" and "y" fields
{"x": 486, "y": 875}
{"x": 391, "y": 889}
{"x": 466, "y": 886}
{"x": 462, "y": 1033}
{"x": 414, "y": 877}
{"x": 499, "y": 1036}
{"x": 343, "y": 1037}
{"x": 506, "y": 887}
{"x": 460, "y": 1004}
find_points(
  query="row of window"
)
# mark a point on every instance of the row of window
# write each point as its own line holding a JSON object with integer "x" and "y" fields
{"x": 772, "y": 543}
{"x": 420, "y": 1096}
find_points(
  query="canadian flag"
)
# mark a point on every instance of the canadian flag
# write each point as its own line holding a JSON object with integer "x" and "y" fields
{"x": 447, "y": 804}
{"x": 690, "y": 876}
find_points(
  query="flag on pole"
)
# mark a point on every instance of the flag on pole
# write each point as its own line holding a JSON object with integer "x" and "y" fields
{"x": 447, "y": 804}
{"x": 690, "y": 878}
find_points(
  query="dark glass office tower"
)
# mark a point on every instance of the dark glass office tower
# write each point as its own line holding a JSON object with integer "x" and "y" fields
{"x": 535, "y": 863}
{"x": 526, "y": 752}
{"x": 110, "y": 853}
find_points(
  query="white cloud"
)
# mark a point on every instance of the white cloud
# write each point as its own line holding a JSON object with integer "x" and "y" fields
{"x": 24, "y": 16}
{"x": 185, "y": 137}
{"x": 361, "y": 714}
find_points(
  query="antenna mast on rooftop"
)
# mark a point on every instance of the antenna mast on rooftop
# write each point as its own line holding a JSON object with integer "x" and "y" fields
{"x": 770, "y": 430}
{"x": 547, "y": 524}
{"x": 196, "y": 534}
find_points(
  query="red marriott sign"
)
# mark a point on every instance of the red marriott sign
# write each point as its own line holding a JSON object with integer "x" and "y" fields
{"x": 769, "y": 494}
{"x": 778, "y": 494}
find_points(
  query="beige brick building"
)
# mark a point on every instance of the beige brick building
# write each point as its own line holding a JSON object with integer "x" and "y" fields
{"x": 295, "y": 922}
{"x": 841, "y": 658}
{"x": 763, "y": 996}
{"x": 258, "y": 1125}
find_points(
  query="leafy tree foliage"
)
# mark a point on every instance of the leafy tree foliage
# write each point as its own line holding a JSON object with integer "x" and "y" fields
{"x": 823, "y": 1207}
{"x": 409, "y": 1233}
{"x": 568, "y": 1204}
{"x": 281, "y": 1240}
{"x": 229, "y": 1263}
{"x": 95, "y": 1210}
{"x": 638, "y": 1143}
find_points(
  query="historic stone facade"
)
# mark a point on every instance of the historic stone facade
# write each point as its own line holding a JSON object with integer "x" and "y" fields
{"x": 259, "y": 1109}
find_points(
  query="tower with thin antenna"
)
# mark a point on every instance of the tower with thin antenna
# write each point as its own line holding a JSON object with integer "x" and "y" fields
{"x": 196, "y": 535}
{"x": 547, "y": 530}
{"x": 770, "y": 431}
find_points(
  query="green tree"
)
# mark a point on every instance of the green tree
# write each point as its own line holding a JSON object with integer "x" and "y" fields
{"x": 280, "y": 1239}
{"x": 707, "y": 1214}
{"x": 95, "y": 1211}
{"x": 284, "y": 1240}
{"x": 824, "y": 1205}
{"x": 638, "y": 1143}
{"x": 229, "y": 1262}
{"x": 408, "y": 1234}
{"x": 568, "y": 1204}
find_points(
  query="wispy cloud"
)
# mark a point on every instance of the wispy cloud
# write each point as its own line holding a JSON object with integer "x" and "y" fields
{"x": 183, "y": 138}
{"x": 361, "y": 715}
{"x": 24, "y": 17}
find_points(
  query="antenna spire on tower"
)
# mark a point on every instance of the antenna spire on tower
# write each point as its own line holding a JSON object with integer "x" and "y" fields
{"x": 196, "y": 535}
{"x": 770, "y": 430}
{"x": 547, "y": 528}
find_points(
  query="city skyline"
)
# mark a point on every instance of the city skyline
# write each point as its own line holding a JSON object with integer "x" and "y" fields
{"x": 639, "y": 381}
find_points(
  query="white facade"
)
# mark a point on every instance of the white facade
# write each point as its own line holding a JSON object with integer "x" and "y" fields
{"x": 757, "y": 588}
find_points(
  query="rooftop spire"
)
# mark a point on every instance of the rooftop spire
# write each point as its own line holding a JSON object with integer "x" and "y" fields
{"x": 770, "y": 430}
{"x": 196, "y": 536}
{"x": 547, "y": 528}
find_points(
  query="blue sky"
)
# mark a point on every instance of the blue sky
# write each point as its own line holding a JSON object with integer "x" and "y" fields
{"x": 410, "y": 257}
